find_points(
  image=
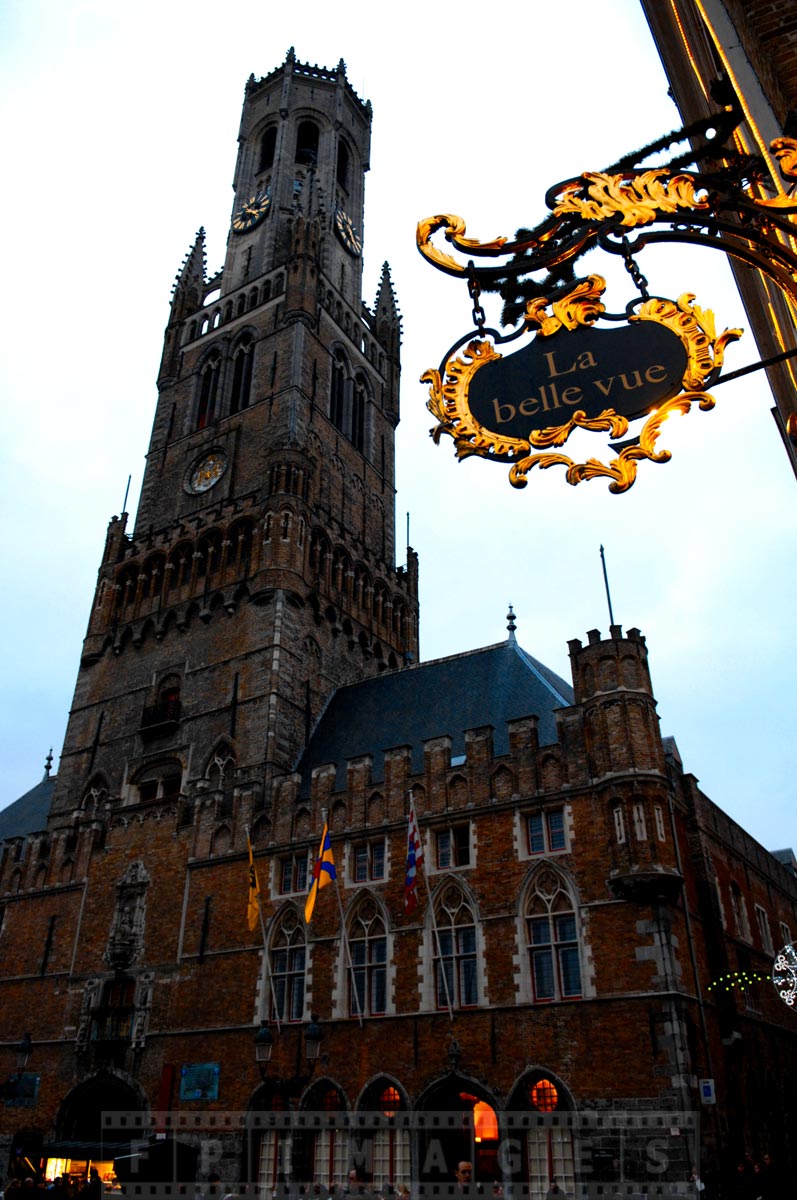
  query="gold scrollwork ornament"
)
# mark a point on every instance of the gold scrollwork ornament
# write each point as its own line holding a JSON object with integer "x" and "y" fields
{"x": 694, "y": 326}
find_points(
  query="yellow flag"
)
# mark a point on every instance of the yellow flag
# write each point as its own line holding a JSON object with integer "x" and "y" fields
{"x": 253, "y": 907}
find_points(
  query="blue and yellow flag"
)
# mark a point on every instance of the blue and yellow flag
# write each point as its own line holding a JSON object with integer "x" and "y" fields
{"x": 253, "y": 907}
{"x": 323, "y": 873}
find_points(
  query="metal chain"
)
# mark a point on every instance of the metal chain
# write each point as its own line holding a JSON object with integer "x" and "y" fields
{"x": 478, "y": 314}
{"x": 634, "y": 271}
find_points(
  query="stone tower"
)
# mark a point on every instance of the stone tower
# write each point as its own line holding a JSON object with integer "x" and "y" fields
{"x": 261, "y": 571}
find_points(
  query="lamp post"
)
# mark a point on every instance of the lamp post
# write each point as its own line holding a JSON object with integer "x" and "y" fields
{"x": 264, "y": 1046}
{"x": 23, "y": 1050}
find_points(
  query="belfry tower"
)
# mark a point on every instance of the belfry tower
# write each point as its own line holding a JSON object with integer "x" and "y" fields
{"x": 261, "y": 571}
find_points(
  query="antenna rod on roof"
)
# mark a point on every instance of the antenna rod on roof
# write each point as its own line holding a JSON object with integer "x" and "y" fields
{"x": 606, "y": 582}
{"x": 408, "y": 529}
{"x": 127, "y": 493}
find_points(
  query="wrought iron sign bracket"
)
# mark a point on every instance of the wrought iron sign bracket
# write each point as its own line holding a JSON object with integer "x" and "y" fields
{"x": 521, "y": 409}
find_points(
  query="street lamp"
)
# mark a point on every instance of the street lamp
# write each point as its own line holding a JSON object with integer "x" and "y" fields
{"x": 9, "y": 1091}
{"x": 312, "y": 1040}
{"x": 24, "y": 1051}
{"x": 264, "y": 1046}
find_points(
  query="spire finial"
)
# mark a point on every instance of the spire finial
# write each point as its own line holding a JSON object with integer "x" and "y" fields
{"x": 48, "y": 762}
{"x": 510, "y": 616}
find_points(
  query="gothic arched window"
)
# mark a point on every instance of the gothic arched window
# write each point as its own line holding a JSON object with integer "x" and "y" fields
{"x": 209, "y": 551}
{"x": 337, "y": 397}
{"x": 342, "y": 173}
{"x": 358, "y": 413}
{"x": 288, "y": 956}
{"x": 456, "y": 972}
{"x": 209, "y": 374}
{"x": 307, "y": 143}
{"x": 552, "y": 939}
{"x": 268, "y": 146}
{"x": 368, "y": 944}
{"x": 242, "y": 359}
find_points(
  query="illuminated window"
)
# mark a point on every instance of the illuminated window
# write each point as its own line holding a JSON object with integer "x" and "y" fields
{"x": 619, "y": 824}
{"x": 546, "y": 831}
{"x": 485, "y": 1122}
{"x": 389, "y": 1102}
{"x": 544, "y": 1096}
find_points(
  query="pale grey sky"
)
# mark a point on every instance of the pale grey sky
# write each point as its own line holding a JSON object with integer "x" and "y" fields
{"x": 119, "y": 127}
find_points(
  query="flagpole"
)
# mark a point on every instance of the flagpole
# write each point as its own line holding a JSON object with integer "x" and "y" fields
{"x": 346, "y": 941}
{"x": 266, "y": 962}
{"x": 348, "y": 955}
{"x": 449, "y": 1005}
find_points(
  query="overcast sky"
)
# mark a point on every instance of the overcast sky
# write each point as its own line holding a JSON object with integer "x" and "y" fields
{"x": 119, "y": 126}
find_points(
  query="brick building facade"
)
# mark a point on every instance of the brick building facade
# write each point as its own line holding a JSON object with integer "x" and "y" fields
{"x": 250, "y": 667}
{"x": 719, "y": 53}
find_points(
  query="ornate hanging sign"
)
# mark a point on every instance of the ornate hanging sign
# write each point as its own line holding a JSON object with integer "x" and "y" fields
{"x": 575, "y": 374}
{"x": 584, "y": 368}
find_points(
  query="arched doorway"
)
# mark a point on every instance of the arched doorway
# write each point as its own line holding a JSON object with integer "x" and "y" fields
{"x": 379, "y": 1148}
{"x": 541, "y": 1136}
{"x": 87, "y": 1135}
{"x": 460, "y": 1124}
{"x": 268, "y": 1142}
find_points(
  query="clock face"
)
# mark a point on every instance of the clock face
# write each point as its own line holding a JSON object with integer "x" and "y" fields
{"x": 344, "y": 228}
{"x": 252, "y": 211}
{"x": 206, "y": 472}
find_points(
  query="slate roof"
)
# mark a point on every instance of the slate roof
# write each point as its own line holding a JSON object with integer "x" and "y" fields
{"x": 29, "y": 813}
{"x": 445, "y": 696}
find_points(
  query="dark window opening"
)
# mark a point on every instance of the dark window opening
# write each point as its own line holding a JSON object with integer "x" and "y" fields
{"x": 358, "y": 416}
{"x": 208, "y": 391}
{"x": 307, "y": 143}
{"x": 453, "y": 847}
{"x": 337, "y": 402}
{"x": 242, "y": 375}
{"x": 343, "y": 165}
{"x": 268, "y": 147}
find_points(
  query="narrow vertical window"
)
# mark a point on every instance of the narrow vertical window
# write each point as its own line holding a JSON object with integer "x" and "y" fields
{"x": 358, "y": 415}
{"x": 337, "y": 399}
{"x": 268, "y": 146}
{"x": 342, "y": 173}
{"x": 242, "y": 374}
{"x": 640, "y": 829}
{"x": 307, "y": 143}
{"x": 659, "y": 817}
{"x": 208, "y": 391}
{"x": 619, "y": 824}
